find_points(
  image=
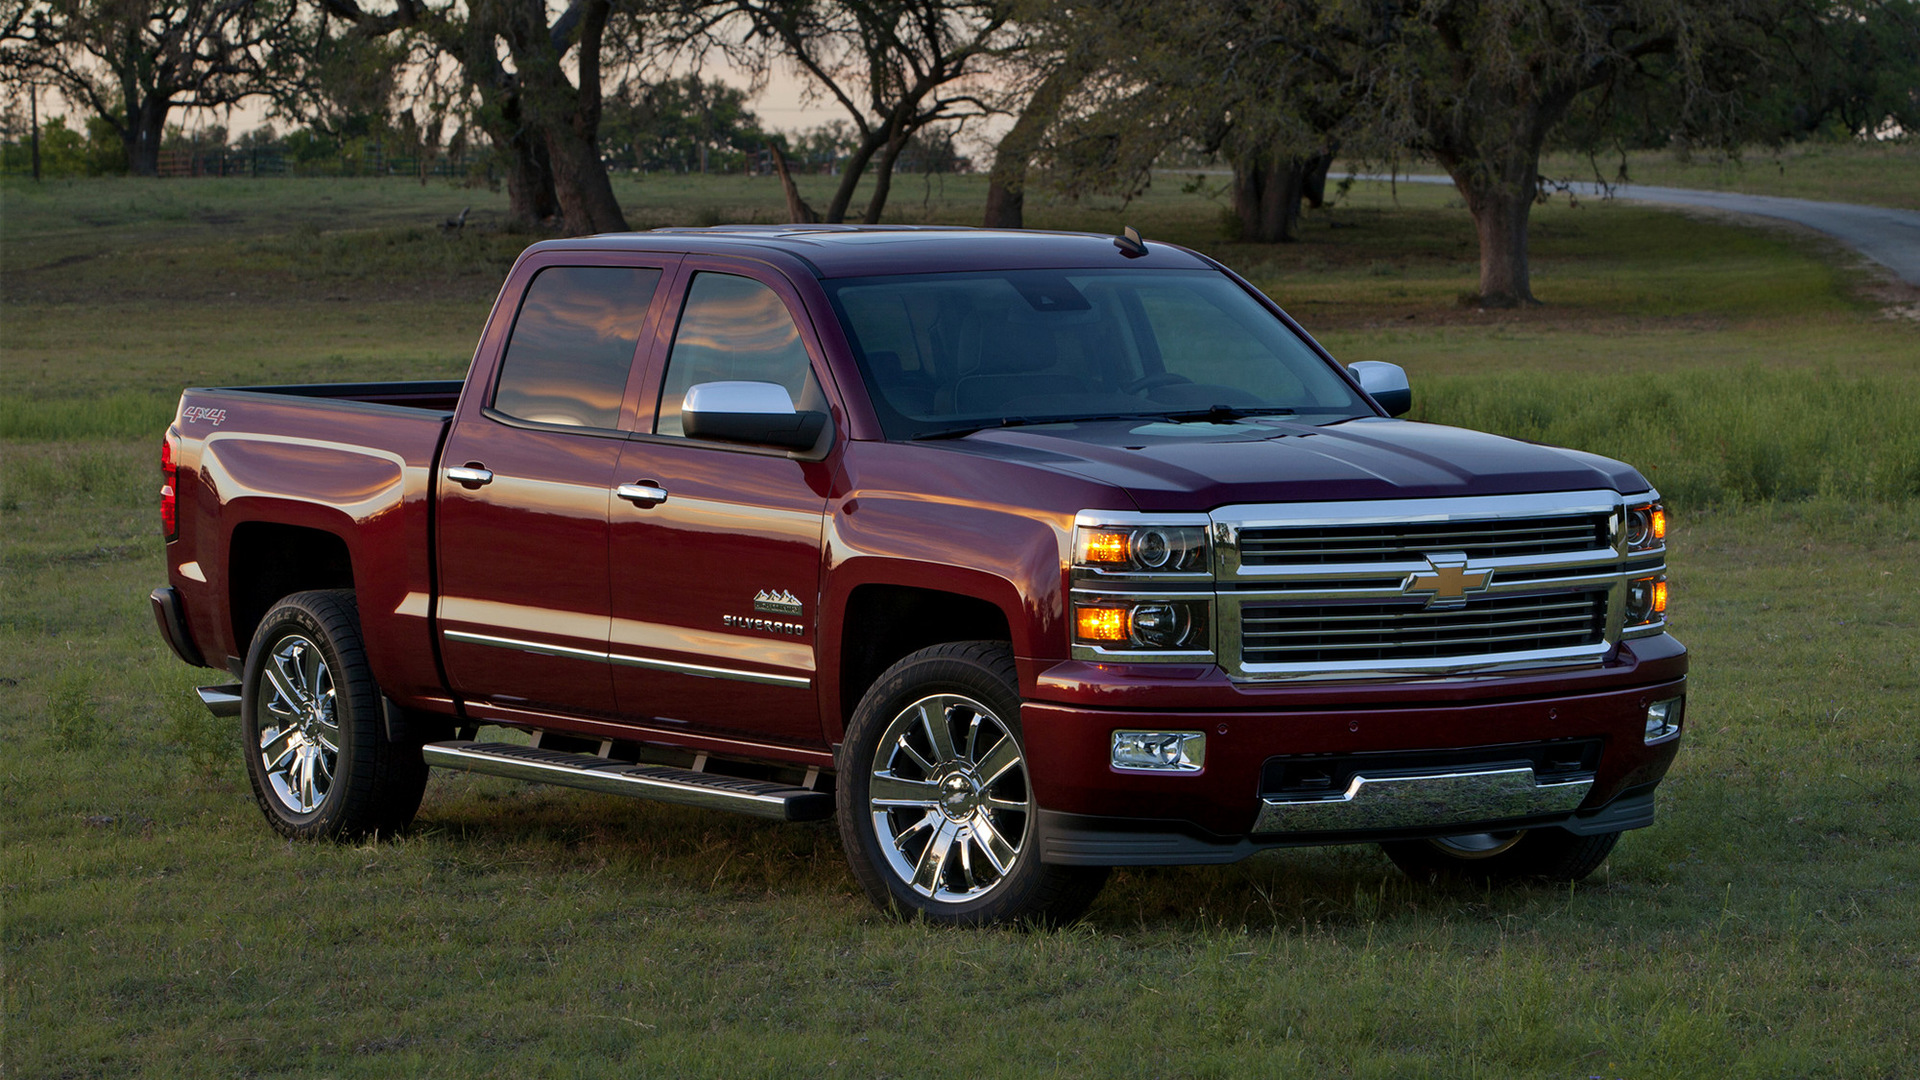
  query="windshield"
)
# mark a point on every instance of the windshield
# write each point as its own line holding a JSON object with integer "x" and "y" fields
{"x": 948, "y": 353}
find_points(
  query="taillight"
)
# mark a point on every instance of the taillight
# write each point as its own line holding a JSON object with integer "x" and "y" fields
{"x": 169, "y": 514}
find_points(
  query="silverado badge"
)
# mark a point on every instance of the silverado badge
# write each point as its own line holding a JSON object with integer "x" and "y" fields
{"x": 1449, "y": 581}
{"x": 779, "y": 602}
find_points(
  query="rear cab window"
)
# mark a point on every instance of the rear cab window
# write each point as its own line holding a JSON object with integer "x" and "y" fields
{"x": 572, "y": 347}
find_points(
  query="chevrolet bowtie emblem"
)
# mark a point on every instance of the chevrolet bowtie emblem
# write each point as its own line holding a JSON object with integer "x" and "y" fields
{"x": 1448, "y": 583}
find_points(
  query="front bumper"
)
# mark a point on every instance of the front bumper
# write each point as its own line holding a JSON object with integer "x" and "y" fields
{"x": 1521, "y": 756}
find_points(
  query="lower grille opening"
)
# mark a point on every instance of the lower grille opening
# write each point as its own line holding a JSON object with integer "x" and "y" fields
{"x": 1330, "y": 774}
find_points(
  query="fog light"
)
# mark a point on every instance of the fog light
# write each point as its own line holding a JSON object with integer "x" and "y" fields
{"x": 1159, "y": 751}
{"x": 1663, "y": 719}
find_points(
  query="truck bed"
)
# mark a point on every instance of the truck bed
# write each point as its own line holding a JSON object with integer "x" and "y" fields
{"x": 314, "y": 474}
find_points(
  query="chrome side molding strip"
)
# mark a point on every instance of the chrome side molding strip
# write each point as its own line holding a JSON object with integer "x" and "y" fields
{"x": 543, "y": 649}
{"x": 1412, "y": 801}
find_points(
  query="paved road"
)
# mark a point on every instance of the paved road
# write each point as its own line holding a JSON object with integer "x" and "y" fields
{"x": 1887, "y": 236}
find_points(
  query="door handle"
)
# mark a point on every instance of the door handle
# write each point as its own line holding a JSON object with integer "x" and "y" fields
{"x": 643, "y": 494}
{"x": 470, "y": 475}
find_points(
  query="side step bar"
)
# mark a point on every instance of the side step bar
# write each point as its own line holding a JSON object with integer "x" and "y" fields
{"x": 662, "y": 783}
{"x": 220, "y": 700}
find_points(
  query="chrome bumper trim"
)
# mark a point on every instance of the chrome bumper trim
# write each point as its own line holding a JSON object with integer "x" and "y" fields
{"x": 1446, "y": 798}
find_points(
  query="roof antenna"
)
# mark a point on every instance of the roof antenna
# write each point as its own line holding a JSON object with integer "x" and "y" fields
{"x": 1129, "y": 243}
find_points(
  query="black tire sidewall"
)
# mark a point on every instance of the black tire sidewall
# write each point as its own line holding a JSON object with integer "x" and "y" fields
{"x": 356, "y": 704}
{"x": 973, "y": 674}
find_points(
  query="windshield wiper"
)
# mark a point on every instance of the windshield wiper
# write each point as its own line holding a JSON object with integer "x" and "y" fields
{"x": 960, "y": 430}
{"x": 1220, "y": 414}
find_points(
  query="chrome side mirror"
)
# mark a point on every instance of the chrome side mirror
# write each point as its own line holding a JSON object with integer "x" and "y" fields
{"x": 749, "y": 412}
{"x": 1387, "y": 383}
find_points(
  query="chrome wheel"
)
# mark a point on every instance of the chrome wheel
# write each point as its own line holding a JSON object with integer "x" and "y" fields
{"x": 299, "y": 725}
{"x": 949, "y": 799}
{"x": 1483, "y": 845}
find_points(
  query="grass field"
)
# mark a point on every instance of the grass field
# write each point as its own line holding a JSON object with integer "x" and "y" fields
{"x": 1878, "y": 174}
{"x": 1764, "y": 927}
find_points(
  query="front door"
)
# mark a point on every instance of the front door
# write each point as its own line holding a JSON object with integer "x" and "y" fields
{"x": 527, "y": 477}
{"x": 716, "y": 586}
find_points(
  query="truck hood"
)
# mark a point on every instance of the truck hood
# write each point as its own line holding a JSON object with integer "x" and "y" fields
{"x": 1197, "y": 466}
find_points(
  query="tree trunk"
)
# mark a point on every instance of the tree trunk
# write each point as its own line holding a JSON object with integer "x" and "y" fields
{"x": 142, "y": 137}
{"x": 850, "y": 172}
{"x": 798, "y": 212}
{"x": 1006, "y": 191}
{"x": 1266, "y": 197}
{"x": 883, "y": 176}
{"x": 1315, "y": 188}
{"x": 530, "y": 195}
{"x": 1500, "y": 191}
{"x": 581, "y": 186}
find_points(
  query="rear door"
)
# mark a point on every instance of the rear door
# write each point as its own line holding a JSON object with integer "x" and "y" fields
{"x": 716, "y": 586}
{"x": 527, "y": 473}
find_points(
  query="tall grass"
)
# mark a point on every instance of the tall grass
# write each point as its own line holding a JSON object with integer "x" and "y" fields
{"x": 1710, "y": 437}
{"x": 124, "y": 415}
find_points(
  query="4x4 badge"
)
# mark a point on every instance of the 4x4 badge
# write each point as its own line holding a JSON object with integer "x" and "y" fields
{"x": 1449, "y": 582}
{"x": 780, "y": 602}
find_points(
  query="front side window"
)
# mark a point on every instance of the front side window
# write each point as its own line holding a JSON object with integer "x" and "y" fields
{"x": 573, "y": 343}
{"x": 945, "y": 351}
{"x": 734, "y": 328}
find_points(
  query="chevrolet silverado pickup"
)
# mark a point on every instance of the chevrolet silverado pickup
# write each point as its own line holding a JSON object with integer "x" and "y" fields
{"x": 1021, "y": 555}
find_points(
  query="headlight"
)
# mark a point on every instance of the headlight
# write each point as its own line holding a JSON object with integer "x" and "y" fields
{"x": 1646, "y": 527}
{"x": 1142, "y": 549}
{"x": 1142, "y": 587}
{"x": 1150, "y": 624}
{"x": 1646, "y": 601}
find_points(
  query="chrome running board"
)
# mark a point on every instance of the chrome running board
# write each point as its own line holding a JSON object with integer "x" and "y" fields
{"x": 220, "y": 700}
{"x": 1409, "y": 801}
{"x": 661, "y": 783}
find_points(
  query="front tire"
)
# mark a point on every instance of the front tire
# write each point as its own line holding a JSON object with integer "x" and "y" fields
{"x": 936, "y": 809}
{"x": 317, "y": 750}
{"x": 1517, "y": 855}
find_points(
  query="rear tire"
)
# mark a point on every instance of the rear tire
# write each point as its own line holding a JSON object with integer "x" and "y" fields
{"x": 936, "y": 811}
{"x": 317, "y": 750}
{"x": 1521, "y": 855}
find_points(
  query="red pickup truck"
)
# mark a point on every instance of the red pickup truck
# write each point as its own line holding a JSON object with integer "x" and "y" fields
{"x": 1022, "y": 555}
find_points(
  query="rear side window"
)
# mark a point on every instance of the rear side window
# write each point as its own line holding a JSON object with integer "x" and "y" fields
{"x": 572, "y": 345}
{"x": 734, "y": 328}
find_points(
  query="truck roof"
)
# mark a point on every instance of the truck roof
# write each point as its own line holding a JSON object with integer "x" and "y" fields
{"x": 836, "y": 251}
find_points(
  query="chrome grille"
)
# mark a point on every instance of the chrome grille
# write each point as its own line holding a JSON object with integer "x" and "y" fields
{"x": 1329, "y": 589}
{"x": 1320, "y": 633}
{"x": 1496, "y": 539}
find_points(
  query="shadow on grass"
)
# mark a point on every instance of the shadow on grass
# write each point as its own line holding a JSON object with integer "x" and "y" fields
{"x": 725, "y": 857}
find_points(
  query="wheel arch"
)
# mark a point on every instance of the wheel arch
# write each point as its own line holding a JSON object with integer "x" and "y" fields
{"x": 267, "y": 560}
{"x": 883, "y": 621}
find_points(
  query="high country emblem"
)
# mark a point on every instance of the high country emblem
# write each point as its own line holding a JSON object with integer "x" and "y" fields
{"x": 778, "y": 602}
{"x": 1448, "y": 582}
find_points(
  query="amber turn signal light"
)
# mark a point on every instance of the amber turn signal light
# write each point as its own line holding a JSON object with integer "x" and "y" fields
{"x": 1102, "y": 547}
{"x": 1659, "y": 592}
{"x": 1100, "y": 624}
{"x": 1660, "y": 533}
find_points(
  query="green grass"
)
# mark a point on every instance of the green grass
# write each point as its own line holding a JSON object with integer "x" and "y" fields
{"x": 152, "y": 924}
{"x": 1877, "y": 174}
